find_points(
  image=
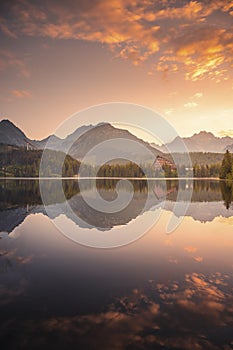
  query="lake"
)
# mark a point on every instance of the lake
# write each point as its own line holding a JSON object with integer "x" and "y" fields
{"x": 161, "y": 290}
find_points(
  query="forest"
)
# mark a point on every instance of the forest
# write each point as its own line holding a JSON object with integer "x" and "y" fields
{"x": 20, "y": 162}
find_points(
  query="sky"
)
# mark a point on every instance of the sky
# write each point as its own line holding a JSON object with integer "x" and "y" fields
{"x": 175, "y": 57}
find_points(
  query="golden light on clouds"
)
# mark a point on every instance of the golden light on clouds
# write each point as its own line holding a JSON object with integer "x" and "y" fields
{"x": 198, "y": 258}
{"x": 122, "y": 50}
{"x": 197, "y": 95}
{"x": 228, "y": 221}
{"x": 135, "y": 29}
{"x": 190, "y": 105}
{"x": 190, "y": 249}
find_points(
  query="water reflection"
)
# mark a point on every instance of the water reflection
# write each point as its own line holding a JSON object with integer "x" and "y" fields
{"x": 227, "y": 193}
{"x": 20, "y": 198}
{"x": 195, "y": 314}
{"x": 161, "y": 292}
{"x": 192, "y": 312}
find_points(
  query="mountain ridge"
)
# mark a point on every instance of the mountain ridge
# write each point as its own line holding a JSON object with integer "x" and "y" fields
{"x": 79, "y": 142}
{"x": 204, "y": 141}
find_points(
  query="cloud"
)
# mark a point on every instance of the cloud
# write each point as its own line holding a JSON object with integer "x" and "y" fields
{"x": 114, "y": 23}
{"x": 201, "y": 52}
{"x": 228, "y": 132}
{"x": 169, "y": 111}
{"x": 6, "y": 30}
{"x": 190, "y": 249}
{"x": 198, "y": 258}
{"x": 8, "y": 294}
{"x": 228, "y": 221}
{"x": 172, "y": 260}
{"x": 190, "y": 105}
{"x": 179, "y": 36}
{"x": 9, "y": 61}
{"x": 21, "y": 93}
{"x": 197, "y": 95}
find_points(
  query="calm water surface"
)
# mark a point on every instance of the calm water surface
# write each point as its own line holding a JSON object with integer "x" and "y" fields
{"x": 160, "y": 292}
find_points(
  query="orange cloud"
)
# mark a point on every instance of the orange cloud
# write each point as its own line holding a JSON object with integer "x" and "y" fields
{"x": 198, "y": 258}
{"x": 21, "y": 93}
{"x": 136, "y": 30}
{"x": 190, "y": 10}
{"x": 190, "y": 249}
{"x": 200, "y": 53}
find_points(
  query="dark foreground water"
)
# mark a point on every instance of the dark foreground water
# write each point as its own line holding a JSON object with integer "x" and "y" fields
{"x": 160, "y": 292}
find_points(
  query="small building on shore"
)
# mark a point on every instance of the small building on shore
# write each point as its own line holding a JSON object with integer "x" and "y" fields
{"x": 161, "y": 162}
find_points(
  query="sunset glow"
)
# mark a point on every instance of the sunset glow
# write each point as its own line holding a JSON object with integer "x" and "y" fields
{"x": 175, "y": 57}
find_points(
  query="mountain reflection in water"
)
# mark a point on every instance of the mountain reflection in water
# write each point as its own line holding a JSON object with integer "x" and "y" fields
{"x": 20, "y": 198}
{"x": 160, "y": 292}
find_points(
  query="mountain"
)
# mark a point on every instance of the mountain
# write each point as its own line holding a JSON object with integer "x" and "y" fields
{"x": 82, "y": 140}
{"x": 11, "y": 135}
{"x": 86, "y": 137}
{"x": 71, "y": 138}
{"x": 202, "y": 142}
{"x": 114, "y": 148}
{"x": 229, "y": 148}
{"x": 53, "y": 140}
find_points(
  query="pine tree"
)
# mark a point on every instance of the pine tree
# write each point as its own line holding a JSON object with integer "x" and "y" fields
{"x": 225, "y": 171}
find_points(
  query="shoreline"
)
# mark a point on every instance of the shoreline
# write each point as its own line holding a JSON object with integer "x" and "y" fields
{"x": 110, "y": 178}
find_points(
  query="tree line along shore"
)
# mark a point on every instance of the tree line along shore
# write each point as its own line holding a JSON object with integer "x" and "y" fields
{"x": 20, "y": 162}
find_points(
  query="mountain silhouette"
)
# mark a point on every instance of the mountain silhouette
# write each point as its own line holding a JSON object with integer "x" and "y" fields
{"x": 82, "y": 140}
{"x": 202, "y": 142}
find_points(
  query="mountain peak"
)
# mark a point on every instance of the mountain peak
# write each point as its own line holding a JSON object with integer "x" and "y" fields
{"x": 103, "y": 123}
{"x": 204, "y": 133}
{"x": 204, "y": 141}
{"x": 11, "y": 134}
{"x": 6, "y": 122}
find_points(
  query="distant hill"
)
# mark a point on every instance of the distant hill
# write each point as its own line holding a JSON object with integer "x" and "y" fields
{"x": 202, "y": 142}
